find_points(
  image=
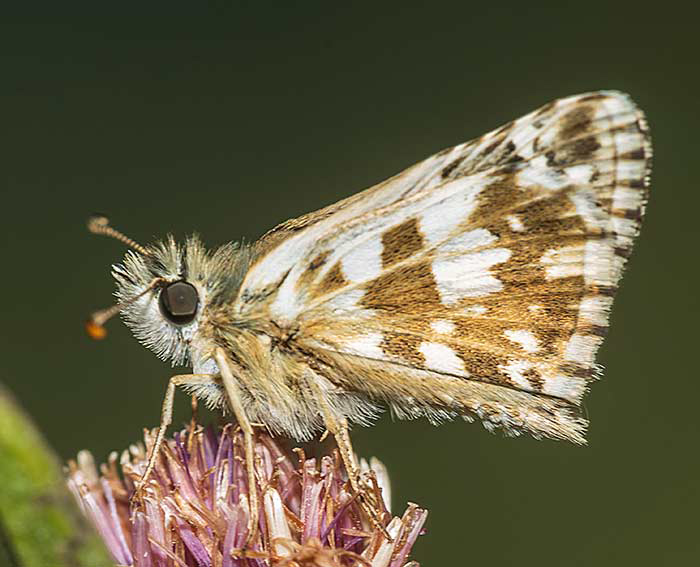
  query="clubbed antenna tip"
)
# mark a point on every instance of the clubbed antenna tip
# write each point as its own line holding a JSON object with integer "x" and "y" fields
{"x": 95, "y": 323}
{"x": 99, "y": 224}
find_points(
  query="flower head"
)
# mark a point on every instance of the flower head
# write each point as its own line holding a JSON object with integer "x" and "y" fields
{"x": 194, "y": 509}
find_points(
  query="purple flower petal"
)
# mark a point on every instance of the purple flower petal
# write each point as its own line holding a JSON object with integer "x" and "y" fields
{"x": 195, "y": 509}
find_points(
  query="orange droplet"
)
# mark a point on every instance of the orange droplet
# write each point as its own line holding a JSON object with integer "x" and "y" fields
{"x": 95, "y": 331}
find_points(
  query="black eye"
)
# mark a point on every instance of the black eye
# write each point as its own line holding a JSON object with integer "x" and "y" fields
{"x": 178, "y": 302}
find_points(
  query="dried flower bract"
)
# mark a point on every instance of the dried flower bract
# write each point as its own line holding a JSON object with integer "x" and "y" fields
{"x": 194, "y": 509}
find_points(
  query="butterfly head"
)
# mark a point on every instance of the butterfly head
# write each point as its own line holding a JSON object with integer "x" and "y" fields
{"x": 166, "y": 291}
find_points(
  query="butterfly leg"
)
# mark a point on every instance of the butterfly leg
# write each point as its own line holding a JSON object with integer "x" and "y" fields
{"x": 166, "y": 418}
{"x": 233, "y": 394}
{"x": 338, "y": 427}
{"x": 368, "y": 499}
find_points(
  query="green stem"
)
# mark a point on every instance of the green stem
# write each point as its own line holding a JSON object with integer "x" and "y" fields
{"x": 40, "y": 524}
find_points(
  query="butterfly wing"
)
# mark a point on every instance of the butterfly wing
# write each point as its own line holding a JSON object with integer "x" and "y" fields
{"x": 279, "y": 249}
{"x": 477, "y": 282}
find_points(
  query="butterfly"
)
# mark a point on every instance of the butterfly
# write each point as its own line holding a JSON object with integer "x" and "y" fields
{"x": 475, "y": 284}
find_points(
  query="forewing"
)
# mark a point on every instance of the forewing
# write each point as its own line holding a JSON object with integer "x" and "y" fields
{"x": 487, "y": 271}
{"x": 283, "y": 246}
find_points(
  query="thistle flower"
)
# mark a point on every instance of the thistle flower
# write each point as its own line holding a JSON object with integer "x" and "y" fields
{"x": 194, "y": 509}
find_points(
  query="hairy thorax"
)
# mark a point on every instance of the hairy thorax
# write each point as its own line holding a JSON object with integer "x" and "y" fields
{"x": 274, "y": 374}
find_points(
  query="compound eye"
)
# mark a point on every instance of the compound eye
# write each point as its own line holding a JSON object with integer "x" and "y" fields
{"x": 179, "y": 302}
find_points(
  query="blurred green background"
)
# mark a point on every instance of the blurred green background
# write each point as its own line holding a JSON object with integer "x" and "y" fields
{"x": 227, "y": 118}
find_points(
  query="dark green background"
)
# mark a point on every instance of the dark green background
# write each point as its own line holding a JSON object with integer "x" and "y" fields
{"x": 227, "y": 120}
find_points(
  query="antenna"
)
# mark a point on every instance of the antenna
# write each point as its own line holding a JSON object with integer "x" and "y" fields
{"x": 95, "y": 323}
{"x": 99, "y": 224}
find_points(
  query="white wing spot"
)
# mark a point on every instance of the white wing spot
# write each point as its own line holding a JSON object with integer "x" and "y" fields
{"x": 595, "y": 309}
{"x": 630, "y": 169}
{"x": 586, "y": 206}
{"x": 539, "y": 174}
{"x": 602, "y": 265}
{"x": 581, "y": 173}
{"x": 566, "y": 387}
{"x": 443, "y": 326}
{"x": 348, "y": 301}
{"x": 627, "y": 198}
{"x": 515, "y": 224}
{"x": 442, "y": 358}
{"x": 439, "y": 220}
{"x": 525, "y": 339}
{"x": 366, "y": 345}
{"x": 468, "y": 276}
{"x": 364, "y": 262}
{"x": 581, "y": 348}
{"x": 563, "y": 262}
{"x": 515, "y": 370}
